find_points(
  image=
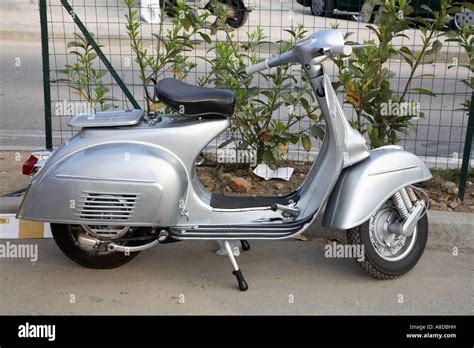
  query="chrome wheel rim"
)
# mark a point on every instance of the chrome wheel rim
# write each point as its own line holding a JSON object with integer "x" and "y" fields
{"x": 391, "y": 247}
{"x": 102, "y": 249}
{"x": 465, "y": 16}
{"x": 318, "y": 7}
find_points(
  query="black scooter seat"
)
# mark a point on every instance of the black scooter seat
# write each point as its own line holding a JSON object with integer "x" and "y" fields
{"x": 192, "y": 100}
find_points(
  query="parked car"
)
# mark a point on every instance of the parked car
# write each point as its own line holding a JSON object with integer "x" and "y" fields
{"x": 329, "y": 8}
{"x": 237, "y": 10}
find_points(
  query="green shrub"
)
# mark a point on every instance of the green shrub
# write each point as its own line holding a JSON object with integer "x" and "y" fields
{"x": 255, "y": 126}
{"x": 365, "y": 76}
{"x": 84, "y": 78}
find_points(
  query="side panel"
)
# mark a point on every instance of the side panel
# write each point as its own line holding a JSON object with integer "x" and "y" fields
{"x": 110, "y": 184}
{"x": 364, "y": 187}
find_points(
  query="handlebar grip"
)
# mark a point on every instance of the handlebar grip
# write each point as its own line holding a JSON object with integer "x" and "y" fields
{"x": 341, "y": 49}
{"x": 257, "y": 67}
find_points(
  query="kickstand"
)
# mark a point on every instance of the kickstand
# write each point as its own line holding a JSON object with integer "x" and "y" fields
{"x": 238, "y": 274}
{"x": 245, "y": 245}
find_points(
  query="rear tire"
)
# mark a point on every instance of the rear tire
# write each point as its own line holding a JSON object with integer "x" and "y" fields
{"x": 168, "y": 6}
{"x": 64, "y": 239}
{"x": 242, "y": 15}
{"x": 379, "y": 267}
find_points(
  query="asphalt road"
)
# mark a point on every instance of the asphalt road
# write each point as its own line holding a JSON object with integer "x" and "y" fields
{"x": 22, "y": 120}
{"x": 285, "y": 277}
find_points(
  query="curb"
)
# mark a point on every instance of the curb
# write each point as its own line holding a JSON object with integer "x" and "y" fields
{"x": 21, "y": 148}
{"x": 12, "y": 228}
{"x": 448, "y": 230}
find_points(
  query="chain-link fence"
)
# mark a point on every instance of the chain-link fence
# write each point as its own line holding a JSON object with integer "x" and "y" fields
{"x": 438, "y": 138}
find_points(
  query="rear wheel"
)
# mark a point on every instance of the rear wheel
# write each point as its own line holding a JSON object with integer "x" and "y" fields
{"x": 323, "y": 8}
{"x": 386, "y": 255}
{"x": 168, "y": 6}
{"x": 238, "y": 15}
{"x": 98, "y": 257}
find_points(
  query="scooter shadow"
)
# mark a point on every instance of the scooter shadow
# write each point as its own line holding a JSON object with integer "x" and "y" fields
{"x": 195, "y": 264}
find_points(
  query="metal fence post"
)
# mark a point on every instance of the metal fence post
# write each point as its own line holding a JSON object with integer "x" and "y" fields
{"x": 467, "y": 151}
{"x": 46, "y": 74}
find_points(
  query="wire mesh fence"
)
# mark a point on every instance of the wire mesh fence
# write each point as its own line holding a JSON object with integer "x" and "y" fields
{"x": 438, "y": 138}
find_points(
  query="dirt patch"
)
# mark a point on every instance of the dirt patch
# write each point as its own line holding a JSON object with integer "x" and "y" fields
{"x": 444, "y": 195}
{"x": 216, "y": 178}
{"x": 11, "y": 177}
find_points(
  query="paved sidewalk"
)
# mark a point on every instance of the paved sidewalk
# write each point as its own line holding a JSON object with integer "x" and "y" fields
{"x": 285, "y": 277}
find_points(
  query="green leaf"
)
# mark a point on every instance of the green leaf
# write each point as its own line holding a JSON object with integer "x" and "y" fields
{"x": 305, "y": 105}
{"x": 424, "y": 75}
{"x": 75, "y": 44}
{"x": 306, "y": 142}
{"x": 205, "y": 37}
{"x": 469, "y": 5}
{"x": 294, "y": 139}
{"x": 435, "y": 48}
{"x": 267, "y": 157}
{"x": 317, "y": 131}
{"x": 407, "y": 51}
{"x": 426, "y": 8}
{"x": 424, "y": 91}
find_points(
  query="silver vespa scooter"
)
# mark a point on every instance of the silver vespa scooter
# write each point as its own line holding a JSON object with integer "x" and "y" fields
{"x": 127, "y": 182}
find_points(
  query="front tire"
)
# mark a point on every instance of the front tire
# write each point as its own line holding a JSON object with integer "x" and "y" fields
{"x": 64, "y": 237}
{"x": 383, "y": 265}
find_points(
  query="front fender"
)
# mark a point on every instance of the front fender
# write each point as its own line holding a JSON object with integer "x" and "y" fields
{"x": 129, "y": 184}
{"x": 364, "y": 187}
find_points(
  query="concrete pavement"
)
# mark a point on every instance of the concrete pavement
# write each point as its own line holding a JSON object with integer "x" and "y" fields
{"x": 285, "y": 277}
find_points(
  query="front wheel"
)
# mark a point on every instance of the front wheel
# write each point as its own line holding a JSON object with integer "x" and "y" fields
{"x": 465, "y": 16}
{"x": 387, "y": 256}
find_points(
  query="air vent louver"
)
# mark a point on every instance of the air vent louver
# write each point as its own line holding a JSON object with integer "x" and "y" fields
{"x": 106, "y": 206}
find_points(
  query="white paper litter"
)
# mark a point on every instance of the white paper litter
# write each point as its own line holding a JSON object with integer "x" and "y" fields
{"x": 265, "y": 172}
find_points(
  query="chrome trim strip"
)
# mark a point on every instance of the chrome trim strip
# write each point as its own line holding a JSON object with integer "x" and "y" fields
{"x": 110, "y": 179}
{"x": 392, "y": 170}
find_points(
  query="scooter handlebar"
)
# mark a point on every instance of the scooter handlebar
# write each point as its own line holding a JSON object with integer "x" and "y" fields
{"x": 341, "y": 49}
{"x": 252, "y": 69}
{"x": 290, "y": 57}
{"x": 284, "y": 58}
